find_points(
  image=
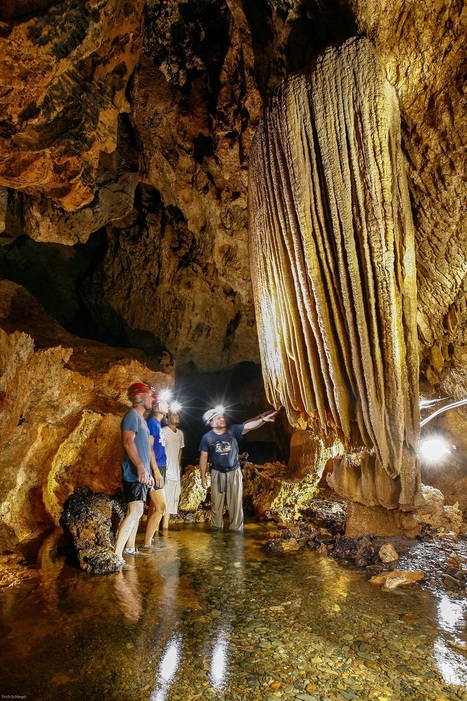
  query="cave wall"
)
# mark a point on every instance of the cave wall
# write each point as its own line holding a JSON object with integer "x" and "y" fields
{"x": 61, "y": 402}
{"x": 125, "y": 133}
{"x": 166, "y": 97}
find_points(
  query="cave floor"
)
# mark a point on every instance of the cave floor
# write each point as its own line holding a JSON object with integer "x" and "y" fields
{"x": 213, "y": 616}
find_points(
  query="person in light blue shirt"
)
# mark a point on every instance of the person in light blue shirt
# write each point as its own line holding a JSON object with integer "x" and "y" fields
{"x": 137, "y": 477}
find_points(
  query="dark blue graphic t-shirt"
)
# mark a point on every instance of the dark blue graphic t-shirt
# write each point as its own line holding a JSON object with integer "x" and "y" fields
{"x": 222, "y": 449}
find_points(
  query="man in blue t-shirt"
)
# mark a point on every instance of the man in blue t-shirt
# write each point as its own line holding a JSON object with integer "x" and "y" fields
{"x": 219, "y": 447}
{"x": 137, "y": 478}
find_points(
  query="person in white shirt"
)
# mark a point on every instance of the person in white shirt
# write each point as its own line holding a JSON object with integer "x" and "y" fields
{"x": 174, "y": 444}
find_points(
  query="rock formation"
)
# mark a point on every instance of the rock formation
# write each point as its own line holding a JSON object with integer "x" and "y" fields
{"x": 332, "y": 259}
{"x": 61, "y": 402}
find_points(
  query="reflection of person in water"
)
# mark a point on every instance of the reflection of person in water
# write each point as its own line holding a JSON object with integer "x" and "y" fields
{"x": 128, "y": 595}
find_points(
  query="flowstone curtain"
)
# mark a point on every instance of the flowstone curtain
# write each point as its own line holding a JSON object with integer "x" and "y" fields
{"x": 333, "y": 269}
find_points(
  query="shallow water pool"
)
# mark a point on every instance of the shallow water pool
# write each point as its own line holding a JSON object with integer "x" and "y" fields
{"x": 213, "y": 616}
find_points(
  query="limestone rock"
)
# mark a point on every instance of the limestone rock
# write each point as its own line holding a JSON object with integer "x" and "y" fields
{"x": 279, "y": 546}
{"x": 332, "y": 258}
{"x": 90, "y": 523}
{"x": 378, "y": 521}
{"x": 434, "y": 513}
{"x": 358, "y": 550}
{"x": 192, "y": 493}
{"x": 388, "y": 553}
{"x": 61, "y": 403}
{"x": 78, "y": 59}
{"x": 270, "y": 492}
{"x": 397, "y": 578}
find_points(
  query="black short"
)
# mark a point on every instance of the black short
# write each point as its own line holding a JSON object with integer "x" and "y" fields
{"x": 135, "y": 491}
{"x": 162, "y": 469}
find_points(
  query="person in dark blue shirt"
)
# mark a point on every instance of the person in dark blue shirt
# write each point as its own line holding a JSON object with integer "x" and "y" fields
{"x": 219, "y": 448}
{"x": 157, "y": 503}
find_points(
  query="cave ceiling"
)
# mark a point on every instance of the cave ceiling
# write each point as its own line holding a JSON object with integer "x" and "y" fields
{"x": 125, "y": 134}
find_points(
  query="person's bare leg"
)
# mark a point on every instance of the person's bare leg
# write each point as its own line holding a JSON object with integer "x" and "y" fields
{"x": 131, "y": 542}
{"x": 165, "y": 521}
{"x": 155, "y": 514}
{"x": 129, "y": 526}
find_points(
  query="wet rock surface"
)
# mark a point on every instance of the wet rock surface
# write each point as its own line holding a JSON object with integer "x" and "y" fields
{"x": 89, "y": 523}
{"x": 440, "y": 555}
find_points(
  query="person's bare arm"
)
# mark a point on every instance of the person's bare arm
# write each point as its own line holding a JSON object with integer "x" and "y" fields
{"x": 257, "y": 421}
{"x": 129, "y": 445}
{"x": 158, "y": 480}
{"x": 203, "y": 466}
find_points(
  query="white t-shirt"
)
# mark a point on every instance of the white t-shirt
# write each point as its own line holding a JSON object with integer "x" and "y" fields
{"x": 174, "y": 441}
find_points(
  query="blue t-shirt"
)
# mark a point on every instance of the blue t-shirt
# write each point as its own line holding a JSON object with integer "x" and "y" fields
{"x": 133, "y": 421}
{"x": 222, "y": 449}
{"x": 155, "y": 429}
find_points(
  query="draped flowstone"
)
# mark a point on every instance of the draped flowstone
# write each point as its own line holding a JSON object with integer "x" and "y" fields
{"x": 333, "y": 269}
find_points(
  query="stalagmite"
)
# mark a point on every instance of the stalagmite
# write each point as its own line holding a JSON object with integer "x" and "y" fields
{"x": 333, "y": 268}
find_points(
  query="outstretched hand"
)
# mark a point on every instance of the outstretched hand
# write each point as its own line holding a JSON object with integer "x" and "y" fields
{"x": 269, "y": 416}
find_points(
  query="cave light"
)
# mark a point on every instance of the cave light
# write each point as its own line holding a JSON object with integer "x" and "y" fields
{"x": 433, "y": 448}
{"x": 175, "y": 407}
{"x": 165, "y": 395}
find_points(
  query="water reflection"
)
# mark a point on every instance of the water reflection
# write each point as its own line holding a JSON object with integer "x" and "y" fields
{"x": 168, "y": 666}
{"x": 448, "y": 664}
{"x": 128, "y": 595}
{"x": 217, "y": 673}
{"x": 452, "y": 617}
{"x": 213, "y": 616}
{"x": 451, "y": 613}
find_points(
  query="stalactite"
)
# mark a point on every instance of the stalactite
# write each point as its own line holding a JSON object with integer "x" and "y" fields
{"x": 333, "y": 268}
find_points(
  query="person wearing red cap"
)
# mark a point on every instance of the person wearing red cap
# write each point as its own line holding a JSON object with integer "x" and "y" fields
{"x": 157, "y": 503}
{"x": 136, "y": 467}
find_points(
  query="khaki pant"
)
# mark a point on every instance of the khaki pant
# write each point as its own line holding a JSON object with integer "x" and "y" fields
{"x": 227, "y": 486}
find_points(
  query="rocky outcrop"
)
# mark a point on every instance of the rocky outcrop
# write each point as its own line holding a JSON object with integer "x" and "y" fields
{"x": 61, "y": 402}
{"x": 65, "y": 72}
{"x": 90, "y": 522}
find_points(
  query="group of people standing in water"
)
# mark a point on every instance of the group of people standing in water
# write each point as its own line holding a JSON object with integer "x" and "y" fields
{"x": 151, "y": 467}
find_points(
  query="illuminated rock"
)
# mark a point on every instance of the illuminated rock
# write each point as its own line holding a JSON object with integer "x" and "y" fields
{"x": 333, "y": 268}
{"x": 61, "y": 403}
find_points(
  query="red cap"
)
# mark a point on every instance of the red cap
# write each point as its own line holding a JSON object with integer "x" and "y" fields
{"x": 139, "y": 388}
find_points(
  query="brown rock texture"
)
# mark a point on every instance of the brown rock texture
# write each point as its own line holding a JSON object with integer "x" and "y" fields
{"x": 61, "y": 403}
{"x": 332, "y": 261}
{"x": 64, "y": 74}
